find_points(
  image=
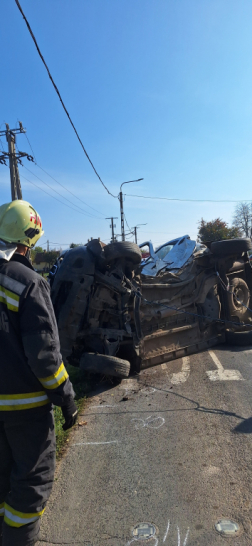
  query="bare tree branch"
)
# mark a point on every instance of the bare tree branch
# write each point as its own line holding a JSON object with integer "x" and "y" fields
{"x": 243, "y": 218}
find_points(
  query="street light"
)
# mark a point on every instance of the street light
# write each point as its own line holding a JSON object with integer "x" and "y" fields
{"x": 121, "y": 205}
{"x": 135, "y": 230}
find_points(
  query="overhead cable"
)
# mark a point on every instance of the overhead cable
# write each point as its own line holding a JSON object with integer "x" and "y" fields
{"x": 31, "y": 148}
{"x": 186, "y": 200}
{"x": 48, "y": 185}
{"x": 64, "y": 187}
{"x": 59, "y": 185}
{"x": 127, "y": 222}
{"x": 60, "y": 98}
{"x": 36, "y": 186}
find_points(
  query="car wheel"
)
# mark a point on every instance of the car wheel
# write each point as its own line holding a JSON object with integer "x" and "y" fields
{"x": 231, "y": 246}
{"x": 239, "y": 297}
{"x": 105, "y": 364}
{"x": 242, "y": 338}
{"x": 123, "y": 249}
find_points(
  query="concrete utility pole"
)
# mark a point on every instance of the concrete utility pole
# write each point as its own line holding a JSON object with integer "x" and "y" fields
{"x": 112, "y": 225}
{"x": 14, "y": 159}
{"x": 121, "y": 206}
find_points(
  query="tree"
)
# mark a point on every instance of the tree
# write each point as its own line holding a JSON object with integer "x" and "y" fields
{"x": 73, "y": 245}
{"x": 35, "y": 250}
{"x": 38, "y": 249}
{"x": 216, "y": 230}
{"x": 51, "y": 257}
{"x": 243, "y": 218}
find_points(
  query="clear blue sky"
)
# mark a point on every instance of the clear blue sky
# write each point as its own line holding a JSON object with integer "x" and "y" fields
{"x": 159, "y": 89}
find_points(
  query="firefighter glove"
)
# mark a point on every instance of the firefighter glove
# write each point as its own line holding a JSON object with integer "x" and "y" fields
{"x": 70, "y": 414}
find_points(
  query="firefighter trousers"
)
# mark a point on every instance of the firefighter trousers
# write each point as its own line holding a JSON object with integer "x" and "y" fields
{"x": 27, "y": 465}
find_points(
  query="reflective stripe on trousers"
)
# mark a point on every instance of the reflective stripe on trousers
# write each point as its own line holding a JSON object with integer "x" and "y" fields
{"x": 17, "y": 519}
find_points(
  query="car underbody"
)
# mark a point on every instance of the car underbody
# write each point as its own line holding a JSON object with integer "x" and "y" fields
{"x": 113, "y": 319}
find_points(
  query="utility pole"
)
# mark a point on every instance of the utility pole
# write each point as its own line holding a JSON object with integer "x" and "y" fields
{"x": 112, "y": 225}
{"x": 135, "y": 230}
{"x": 14, "y": 159}
{"x": 121, "y": 206}
{"x": 47, "y": 245}
{"x": 122, "y": 215}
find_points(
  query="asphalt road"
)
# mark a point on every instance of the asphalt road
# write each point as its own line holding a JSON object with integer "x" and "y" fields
{"x": 171, "y": 447}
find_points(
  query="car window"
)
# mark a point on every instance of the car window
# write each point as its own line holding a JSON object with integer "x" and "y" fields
{"x": 163, "y": 251}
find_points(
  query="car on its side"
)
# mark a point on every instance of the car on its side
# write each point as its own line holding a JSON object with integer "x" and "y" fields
{"x": 115, "y": 317}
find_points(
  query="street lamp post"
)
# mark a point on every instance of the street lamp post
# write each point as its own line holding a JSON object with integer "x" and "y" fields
{"x": 135, "y": 230}
{"x": 121, "y": 205}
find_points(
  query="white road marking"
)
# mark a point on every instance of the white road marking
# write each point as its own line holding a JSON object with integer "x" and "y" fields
{"x": 220, "y": 374}
{"x": 95, "y": 443}
{"x": 167, "y": 531}
{"x": 163, "y": 366}
{"x": 182, "y": 376}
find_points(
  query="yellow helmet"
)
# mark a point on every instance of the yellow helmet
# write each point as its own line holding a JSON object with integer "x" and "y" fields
{"x": 20, "y": 223}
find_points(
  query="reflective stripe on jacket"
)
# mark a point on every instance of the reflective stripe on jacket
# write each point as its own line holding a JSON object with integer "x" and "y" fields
{"x": 31, "y": 368}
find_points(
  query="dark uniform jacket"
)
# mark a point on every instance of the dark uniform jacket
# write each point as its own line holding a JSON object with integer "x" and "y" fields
{"x": 32, "y": 374}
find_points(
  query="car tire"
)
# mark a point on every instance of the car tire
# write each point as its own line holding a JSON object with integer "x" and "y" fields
{"x": 239, "y": 288}
{"x": 242, "y": 339}
{"x": 123, "y": 249}
{"x": 105, "y": 364}
{"x": 231, "y": 246}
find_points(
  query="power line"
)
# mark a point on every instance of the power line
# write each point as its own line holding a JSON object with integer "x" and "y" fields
{"x": 85, "y": 212}
{"x": 64, "y": 187}
{"x": 36, "y": 186}
{"x": 60, "y": 98}
{"x": 162, "y": 232}
{"x": 187, "y": 200}
{"x": 31, "y": 148}
{"x": 91, "y": 216}
{"x": 127, "y": 222}
{"x": 57, "y": 182}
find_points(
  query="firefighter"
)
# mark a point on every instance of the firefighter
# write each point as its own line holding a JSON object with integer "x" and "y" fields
{"x": 32, "y": 379}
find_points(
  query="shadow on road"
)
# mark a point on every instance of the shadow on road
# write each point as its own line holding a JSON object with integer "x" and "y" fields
{"x": 245, "y": 427}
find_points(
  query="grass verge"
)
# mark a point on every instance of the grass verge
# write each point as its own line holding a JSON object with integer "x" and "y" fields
{"x": 82, "y": 385}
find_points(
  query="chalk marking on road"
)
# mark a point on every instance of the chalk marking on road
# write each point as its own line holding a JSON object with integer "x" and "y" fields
{"x": 95, "y": 443}
{"x": 181, "y": 377}
{"x": 178, "y": 536}
{"x": 186, "y": 537}
{"x": 167, "y": 531}
{"x": 221, "y": 374}
{"x": 164, "y": 366}
{"x": 148, "y": 390}
{"x": 157, "y": 422}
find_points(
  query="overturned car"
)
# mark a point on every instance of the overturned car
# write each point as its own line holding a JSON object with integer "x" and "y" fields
{"x": 118, "y": 314}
